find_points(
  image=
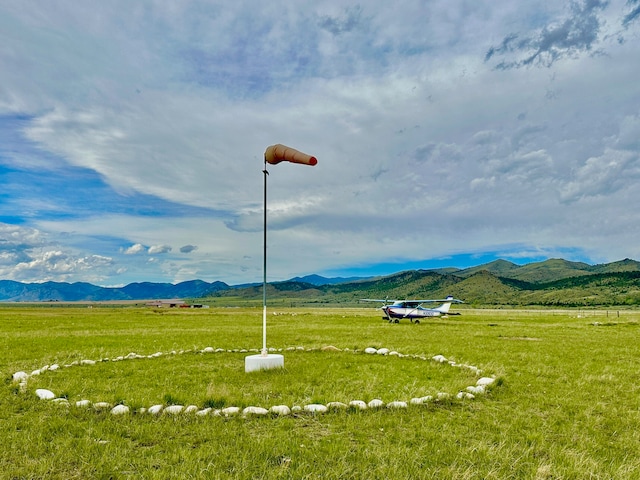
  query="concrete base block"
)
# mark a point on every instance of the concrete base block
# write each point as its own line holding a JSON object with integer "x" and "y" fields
{"x": 254, "y": 363}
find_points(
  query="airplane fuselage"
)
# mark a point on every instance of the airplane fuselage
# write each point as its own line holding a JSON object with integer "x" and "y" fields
{"x": 409, "y": 312}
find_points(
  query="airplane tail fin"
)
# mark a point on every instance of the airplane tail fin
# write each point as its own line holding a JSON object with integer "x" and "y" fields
{"x": 444, "y": 308}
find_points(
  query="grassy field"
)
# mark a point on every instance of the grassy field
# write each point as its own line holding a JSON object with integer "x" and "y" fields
{"x": 568, "y": 403}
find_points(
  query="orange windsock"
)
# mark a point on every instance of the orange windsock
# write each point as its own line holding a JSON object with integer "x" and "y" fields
{"x": 279, "y": 153}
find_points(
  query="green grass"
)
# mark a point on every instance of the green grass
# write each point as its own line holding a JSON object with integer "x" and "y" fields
{"x": 568, "y": 406}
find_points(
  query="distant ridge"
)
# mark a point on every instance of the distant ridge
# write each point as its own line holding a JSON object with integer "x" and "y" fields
{"x": 319, "y": 280}
{"x": 551, "y": 282}
{"x": 11, "y": 291}
{"x": 497, "y": 267}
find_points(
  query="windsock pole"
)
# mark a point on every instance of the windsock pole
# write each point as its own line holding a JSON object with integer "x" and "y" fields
{"x": 264, "y": 350}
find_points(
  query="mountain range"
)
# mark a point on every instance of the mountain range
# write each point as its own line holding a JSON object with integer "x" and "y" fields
{"x": 551, "y": 282}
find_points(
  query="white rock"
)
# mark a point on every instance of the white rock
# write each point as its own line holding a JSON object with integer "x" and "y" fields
{"x": 465, "y": 396}
{"x": 296, "y": 409}
{"x": 393, "y": 353}
{"x": 370, "y": 350}
{"x": 191, "y": 409}
{"x": 315, "y": 408}
{"x": 397, "y": 404}
{"x": 375, "y": 403}
{"x": 44, "y": 394}
{"x": 174, "y": 409}
{"x": 230, "y": 411}
{"x": 426, "y": 398}
{"x": 216, "y": 413}
{"x": 443, "y": 396}
{"x": 477, "y": 390}
{"x": 486, "y": 381}
{"x": 155, "y": 409}
{"x": 204, "y": 412}
{"x": 142, "y": 410}
{"x": 280, "y": 410}
{"x": 416, "y": 401}
{"x": 208, "y": 350}
{"x": 83, "y": 403}
{"x": 131, "y": 356}
{"x": 20, "y": 377}
{"x": 87, "y": 362}
{"x": 258, "y": 411}
{"x": 382, "y": 351}
{"x": 337, "y": 406}
{"x": 55, "y": 366}
{"x": 61, "y": 401}
{"x": 439, "y": 358}
{"x": 101, "y": 405}
{"x": 35, "y": 372}
{"x": 120, "y": 410}
{"x": 359, "y": 404}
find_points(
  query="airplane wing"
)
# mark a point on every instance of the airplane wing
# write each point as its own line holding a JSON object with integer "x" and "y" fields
{"x": 440, "y": 300}
{"x": 389, "y": 300}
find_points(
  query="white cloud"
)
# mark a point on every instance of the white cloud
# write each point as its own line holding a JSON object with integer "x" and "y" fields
{"x": 135, "y": 249}
{"x": 27, "y": 254}
{"x": 159, "y": 249}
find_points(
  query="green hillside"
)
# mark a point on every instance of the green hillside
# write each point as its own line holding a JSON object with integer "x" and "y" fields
{"x": 555, "y": 282}
{"x": 549, "y": 270}
{"x": 497, "y": 267}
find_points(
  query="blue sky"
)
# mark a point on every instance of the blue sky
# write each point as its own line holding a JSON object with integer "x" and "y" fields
{"x": 448, "y": 133}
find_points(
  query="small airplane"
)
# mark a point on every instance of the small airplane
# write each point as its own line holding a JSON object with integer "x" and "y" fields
{"x": 395, "y": 310}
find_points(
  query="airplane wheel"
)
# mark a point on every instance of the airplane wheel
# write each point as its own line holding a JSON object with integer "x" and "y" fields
{"x": 416, "y": 321}
{"x": 396, "y": 321}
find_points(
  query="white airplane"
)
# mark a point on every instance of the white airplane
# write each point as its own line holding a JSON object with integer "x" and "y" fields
{"x": 413, "y": 309}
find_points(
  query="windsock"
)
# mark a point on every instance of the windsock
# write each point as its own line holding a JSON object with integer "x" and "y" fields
{"x": 278, "y": 153}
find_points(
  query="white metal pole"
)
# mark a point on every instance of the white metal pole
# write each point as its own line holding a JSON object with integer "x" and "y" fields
{"x": 264, "y": 268}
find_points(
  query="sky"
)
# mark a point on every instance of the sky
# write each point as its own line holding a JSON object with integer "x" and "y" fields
{"x": 447, "y": 133}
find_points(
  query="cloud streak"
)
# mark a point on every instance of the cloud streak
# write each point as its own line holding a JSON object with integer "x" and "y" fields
{"x": 576, "y": 34}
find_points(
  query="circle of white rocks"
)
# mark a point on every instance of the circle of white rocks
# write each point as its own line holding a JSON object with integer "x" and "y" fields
{"x": 481, "y": 387}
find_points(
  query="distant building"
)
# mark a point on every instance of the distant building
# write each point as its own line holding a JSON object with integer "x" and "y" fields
{"x": 172, "y": 303}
